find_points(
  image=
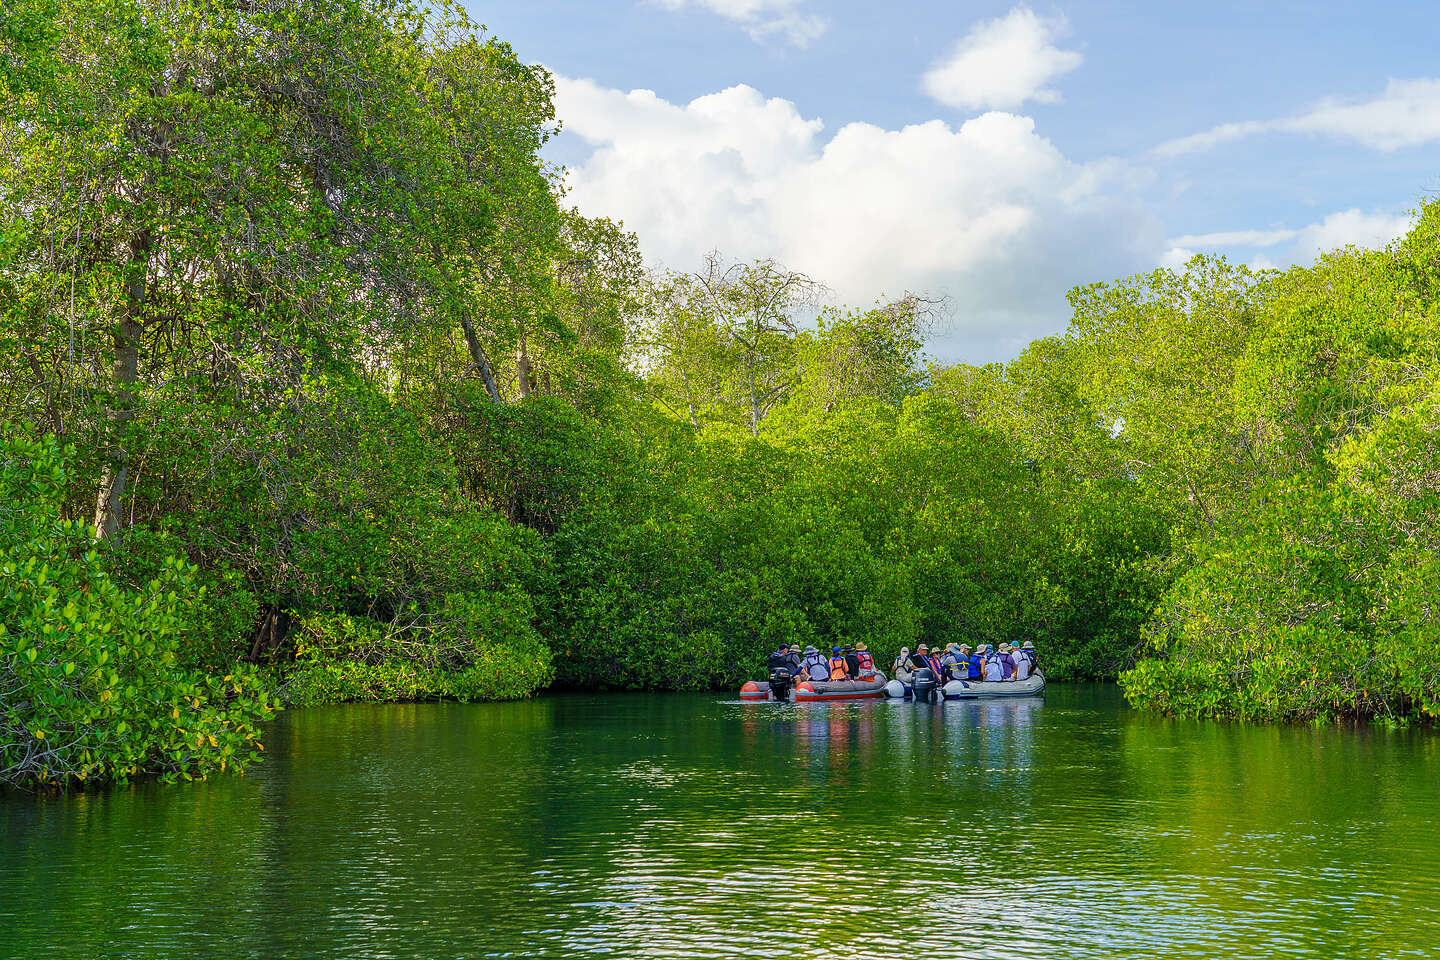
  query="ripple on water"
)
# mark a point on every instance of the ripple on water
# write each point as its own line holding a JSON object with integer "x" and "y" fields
{"x": 690, "y": 827}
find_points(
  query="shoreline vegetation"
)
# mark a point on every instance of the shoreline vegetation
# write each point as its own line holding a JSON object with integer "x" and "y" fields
{"x": 314, "y": 389}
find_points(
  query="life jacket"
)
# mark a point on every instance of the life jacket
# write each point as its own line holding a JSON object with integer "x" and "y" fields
{"x": 814, "y": 667}
{"x": 839, "y": 669}
{"x": 1022, "y": 666}
{"x": 867, "y": 662}
{"x": 957, "y": 666}
{"x": 977, "y": 667}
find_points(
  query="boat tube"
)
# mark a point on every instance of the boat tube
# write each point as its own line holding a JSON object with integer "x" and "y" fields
{"x": 917, "y": 685}
{"x": 991, "y": 689}
{"x": 780, "y": 689}
{"x": 869, "y": 687}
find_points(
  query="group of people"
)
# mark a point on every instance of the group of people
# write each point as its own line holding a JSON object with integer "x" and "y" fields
{"x": 1008, "y": 661}
{"x": 844, "y": 663}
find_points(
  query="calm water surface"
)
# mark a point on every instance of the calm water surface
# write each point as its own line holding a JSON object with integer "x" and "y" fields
{"x": 679, "y": 826}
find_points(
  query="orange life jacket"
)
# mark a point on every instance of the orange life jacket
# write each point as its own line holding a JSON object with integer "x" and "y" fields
{"x": 839, "y": 670}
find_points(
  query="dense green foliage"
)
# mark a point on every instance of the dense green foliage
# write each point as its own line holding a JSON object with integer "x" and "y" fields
{"x": 95, "y": 678}
{"x": 321, "y": 377}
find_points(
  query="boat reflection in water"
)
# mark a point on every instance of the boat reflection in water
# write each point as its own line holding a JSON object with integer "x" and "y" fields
{"x": 692, "y": 827}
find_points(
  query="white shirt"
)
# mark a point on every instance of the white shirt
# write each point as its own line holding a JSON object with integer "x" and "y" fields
{"x": 1022, "y": 664}
{"x": 992, "y": 667}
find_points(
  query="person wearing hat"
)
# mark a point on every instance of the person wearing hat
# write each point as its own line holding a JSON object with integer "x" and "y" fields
{"x": 934, "y": 660}
{"x": 994, "y": 672}
{"x": 901, "y": 667}
{"x": 861, "y": 664}
{"x": 794, "y": 659}
{"x": 975, "y": 669}
{"x": 1029, "y": 649}
{"x": 920, "y": 659}
{"x": 839, "y": 666}
{"x": 1023, "y": 663}
{"x": 814, "y": 666}
{"x": 863, "y": 658}
{"x": 1007, "y": 660}
{"x": 780, "y": 659}
{"x": 955, "y": 664}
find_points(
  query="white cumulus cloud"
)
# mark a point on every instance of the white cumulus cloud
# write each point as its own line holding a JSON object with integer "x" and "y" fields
{"x": 989, "y": 213}
{"x": 1003, "y": 63}
{"x": 1302, "y": 245}
{"x": 788, "y": 19}
{"x": 1406, "y": 114}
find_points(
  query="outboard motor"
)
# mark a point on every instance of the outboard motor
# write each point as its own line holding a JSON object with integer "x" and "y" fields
{"x": 924, "y": 684}
{"x": 780, "y": 682}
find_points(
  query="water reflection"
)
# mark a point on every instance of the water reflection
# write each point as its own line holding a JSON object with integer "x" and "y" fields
{"x": 691, "y": 827}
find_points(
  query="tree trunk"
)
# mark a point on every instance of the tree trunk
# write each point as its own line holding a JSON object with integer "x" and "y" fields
{"x": 522, "y": 368}
{"x": 754, "y": 404}
{"x": 478, "y": 358}
{"x": 128, "y": 328}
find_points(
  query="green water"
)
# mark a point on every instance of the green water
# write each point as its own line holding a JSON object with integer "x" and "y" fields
{"x": 679, "y": 826}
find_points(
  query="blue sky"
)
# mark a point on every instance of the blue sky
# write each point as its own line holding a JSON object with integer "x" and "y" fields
{"x": 994, "y": 152}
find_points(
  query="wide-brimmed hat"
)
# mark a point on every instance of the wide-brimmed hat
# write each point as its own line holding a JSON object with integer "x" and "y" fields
{"x": 811, "y": 650}
{"x": 860, "y": 645}
{"x": 1027, "y": 645}
{"x": 920, "y": 647}
{"x": 964, "y": 646}
{"x": 953, "y": 648}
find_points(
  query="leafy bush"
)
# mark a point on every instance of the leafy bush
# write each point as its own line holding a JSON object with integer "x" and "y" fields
{"x": 92, "y": 683}
{"x": 472, "y": 647}
{"x": 1321, "y": 600}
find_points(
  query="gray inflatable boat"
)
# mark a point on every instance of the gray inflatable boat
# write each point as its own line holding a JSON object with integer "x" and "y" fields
{"x": 989, "y": 690}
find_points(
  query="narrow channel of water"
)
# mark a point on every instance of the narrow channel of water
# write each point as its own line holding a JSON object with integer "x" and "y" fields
{"x": 688, "y": 826}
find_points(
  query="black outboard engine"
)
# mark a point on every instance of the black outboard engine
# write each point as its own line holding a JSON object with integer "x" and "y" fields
{"x": 924, "y": 684}
{"x": 780, "y": 682}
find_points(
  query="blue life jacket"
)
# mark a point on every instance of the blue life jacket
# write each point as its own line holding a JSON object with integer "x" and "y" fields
{"x": 977, "y": 665}
{"x": 957, "y": 666}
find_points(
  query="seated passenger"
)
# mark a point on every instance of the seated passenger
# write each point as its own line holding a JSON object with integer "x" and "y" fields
{"x": 814, "y": 665}
{"x": 863, "y": 657}
{"x": 994, "y": 672}
{"x": 780, "y": 659}
{"x": 839, "y": 668}
{"x": 955, "y": 664}
{"x": 975, "y": 663}
{"x": 1022, "y": 664}
{"x": 1029, "y": 649}
{"x": 795, "y": 659}
{"x": 1007, "y": 662}
{"x": 920, "y": 659}
{"x": 901, "y": 666}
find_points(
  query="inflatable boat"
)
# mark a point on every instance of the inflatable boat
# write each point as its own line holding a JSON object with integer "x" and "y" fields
{"x": 870, "y": 688}
{"x": 783, "y": 688}
{"x": 989, "y": 690}
{"x": 915, "y": 685}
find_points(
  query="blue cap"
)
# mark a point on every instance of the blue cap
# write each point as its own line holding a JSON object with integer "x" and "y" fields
{"x": 835, "y": 649}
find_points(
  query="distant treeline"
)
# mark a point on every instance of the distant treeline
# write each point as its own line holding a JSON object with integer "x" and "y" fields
{"x": 313, "y": 389}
